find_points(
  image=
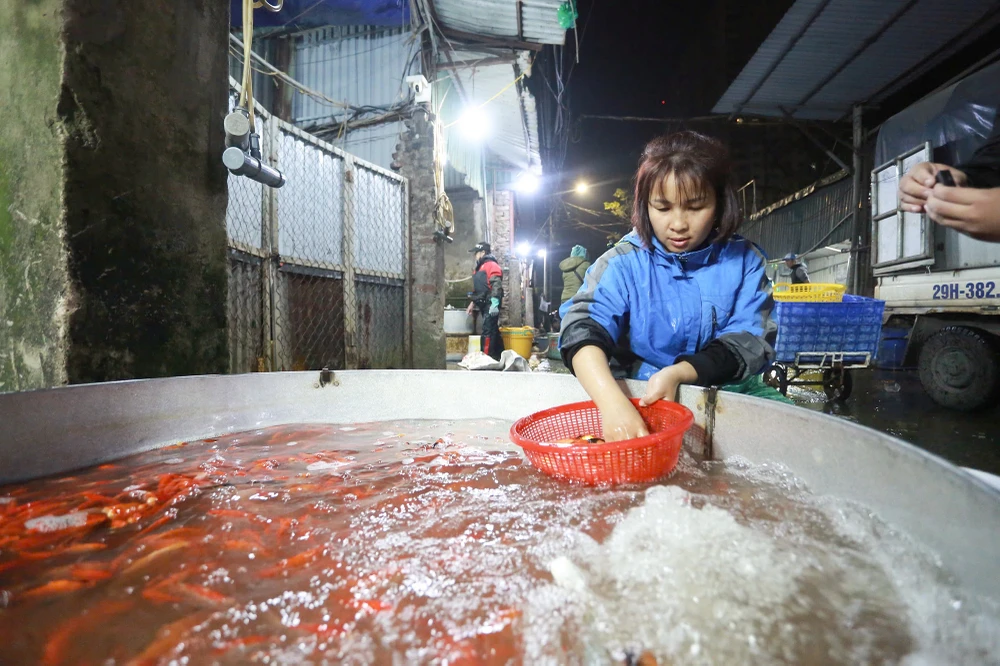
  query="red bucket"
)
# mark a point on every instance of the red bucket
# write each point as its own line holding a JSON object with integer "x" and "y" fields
{"x": 629, "y": 461}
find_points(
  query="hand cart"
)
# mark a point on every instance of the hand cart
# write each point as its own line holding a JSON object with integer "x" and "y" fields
{"x": 832, "y": 338}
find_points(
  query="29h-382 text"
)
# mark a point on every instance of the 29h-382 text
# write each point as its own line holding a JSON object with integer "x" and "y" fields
{"x": 969, "y": 290}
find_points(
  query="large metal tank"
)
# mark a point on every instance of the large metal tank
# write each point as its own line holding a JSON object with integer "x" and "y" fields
{"x": 948, "y": 510}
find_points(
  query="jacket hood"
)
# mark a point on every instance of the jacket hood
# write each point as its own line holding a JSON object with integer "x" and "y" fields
{"x": 570, "y": 263}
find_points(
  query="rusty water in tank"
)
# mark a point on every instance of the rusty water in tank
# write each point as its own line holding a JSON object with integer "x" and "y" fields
{"x": 429, "y": 542}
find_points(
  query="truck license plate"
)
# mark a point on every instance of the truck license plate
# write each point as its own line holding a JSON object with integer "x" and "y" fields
{"x": 969, "y": 290}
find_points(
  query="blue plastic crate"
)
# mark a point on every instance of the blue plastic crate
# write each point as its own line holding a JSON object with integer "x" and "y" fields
{"x": 850, "y": 327}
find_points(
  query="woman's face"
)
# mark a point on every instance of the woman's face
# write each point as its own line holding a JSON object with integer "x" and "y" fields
{"x": 681, "y": 220}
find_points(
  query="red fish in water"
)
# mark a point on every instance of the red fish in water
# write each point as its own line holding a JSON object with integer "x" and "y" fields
{"x": 582, "y": 439}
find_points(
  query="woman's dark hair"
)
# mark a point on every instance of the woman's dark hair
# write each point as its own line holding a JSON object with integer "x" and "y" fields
{"x": 697, "y": 162}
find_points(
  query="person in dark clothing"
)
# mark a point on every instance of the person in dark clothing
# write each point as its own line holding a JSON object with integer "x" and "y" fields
{"x": 487, "y": 295}
{"x": 799, "y": 273}
{"x": 972, "y": 207}
{"x": 573, "y": 268}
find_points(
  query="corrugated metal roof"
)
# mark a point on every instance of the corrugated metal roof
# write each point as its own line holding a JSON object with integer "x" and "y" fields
{"x": 824, "y": 56}
{"x": 509, "y": 107}
{"x": 498, "y": 18}
{"x": 360, "y": 65}
{"x": 465, "y": 167}
{"x": 366, "y": 66}
{"x": 513, "y": 136}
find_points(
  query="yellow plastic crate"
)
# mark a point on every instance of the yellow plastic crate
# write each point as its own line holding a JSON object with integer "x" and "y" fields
{"x": 810, "y": 293}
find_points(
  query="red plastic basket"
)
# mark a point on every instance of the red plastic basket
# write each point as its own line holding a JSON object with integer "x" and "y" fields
{"x": 630, "y": 461}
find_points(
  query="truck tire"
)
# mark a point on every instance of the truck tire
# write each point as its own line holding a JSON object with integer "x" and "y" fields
{"x": 959, "y": 368}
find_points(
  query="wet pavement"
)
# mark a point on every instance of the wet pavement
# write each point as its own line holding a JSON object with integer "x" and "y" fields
{"x": 894, "y": 402}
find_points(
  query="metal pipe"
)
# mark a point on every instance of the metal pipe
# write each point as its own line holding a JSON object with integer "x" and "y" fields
{"x": 859, "y": 134}
{"x": 545, "y": 276}
{"x": 237, "y": 127}
{"x": 242, "y": 164}
{"x": 809, "y": 135}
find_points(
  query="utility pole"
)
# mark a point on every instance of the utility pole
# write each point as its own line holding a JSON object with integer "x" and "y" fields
{"x": 855, "y": 279}
{"x": 548, "y": 250}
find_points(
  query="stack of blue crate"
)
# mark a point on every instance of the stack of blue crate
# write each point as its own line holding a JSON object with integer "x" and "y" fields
{"x": 809, "y": 330}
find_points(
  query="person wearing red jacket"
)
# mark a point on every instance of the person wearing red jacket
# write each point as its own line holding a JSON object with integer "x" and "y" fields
{"x": 487, "y": 295}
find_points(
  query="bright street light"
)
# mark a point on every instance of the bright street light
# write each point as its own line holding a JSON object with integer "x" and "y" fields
{"x": 474, "y": 123}
{"x": 581, "y": 187}
{"x": 523, "y": 250}
{"x": 542, "y": 252}
{"x": 526, "y": 183}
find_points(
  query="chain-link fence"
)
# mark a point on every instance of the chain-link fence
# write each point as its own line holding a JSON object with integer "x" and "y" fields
{"x": 317, "y": 268}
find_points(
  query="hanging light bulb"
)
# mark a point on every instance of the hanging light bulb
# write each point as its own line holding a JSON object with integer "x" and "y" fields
{"x": 526, "y": 183}
{"x": 474, "y": 124}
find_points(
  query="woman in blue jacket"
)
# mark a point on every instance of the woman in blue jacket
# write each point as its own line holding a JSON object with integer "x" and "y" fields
{"x": 687, "y": 297}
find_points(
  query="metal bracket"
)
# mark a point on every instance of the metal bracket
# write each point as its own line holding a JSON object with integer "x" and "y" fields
{"x": 326, "y": 377}
{"x": 708, "y": 452}
{"x": 832, "y": 359}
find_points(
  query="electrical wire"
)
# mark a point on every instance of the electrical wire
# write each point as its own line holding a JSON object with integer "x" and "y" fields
{"x": 246, "y": 87}
{"x": 352, "y": 120}
{"x": 500, "y": 92}
{"x": 309, "y": 92}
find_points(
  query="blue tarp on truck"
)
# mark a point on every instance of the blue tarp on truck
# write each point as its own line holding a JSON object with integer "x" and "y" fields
{"x": 301, "y": 14}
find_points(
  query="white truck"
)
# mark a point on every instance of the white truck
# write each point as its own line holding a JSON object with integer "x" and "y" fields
{"x": 941, "y": 285}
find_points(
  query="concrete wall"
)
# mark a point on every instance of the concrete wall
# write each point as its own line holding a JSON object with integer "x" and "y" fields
{"x": 145, "y": 94}
{"x": 830, "y": 269}
{"x": 34, "y": 294}
{"x": 415, "y": 158}
{"x": 112, "y": 194}
{"x": 470, "y": 228}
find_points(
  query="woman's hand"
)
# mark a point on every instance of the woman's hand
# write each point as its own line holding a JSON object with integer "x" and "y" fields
{"x": 917, "y": 184}
{"x": 663, "y": 385}
{"x": 620, "y": 420}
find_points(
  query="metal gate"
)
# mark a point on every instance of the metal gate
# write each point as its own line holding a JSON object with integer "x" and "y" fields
{"x": 317, "y": 269}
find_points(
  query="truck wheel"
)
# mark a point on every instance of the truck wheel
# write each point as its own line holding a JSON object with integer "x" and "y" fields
{"x": 959, "y": 368}
{"x": 837, "y": 384}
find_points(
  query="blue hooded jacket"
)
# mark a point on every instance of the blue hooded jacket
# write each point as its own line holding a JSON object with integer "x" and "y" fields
{"x": 664, "y": 305}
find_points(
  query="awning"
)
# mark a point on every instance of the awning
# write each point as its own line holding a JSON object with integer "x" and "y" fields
{"x": 825, "y": 56}
{"x": 490, "y": 83}
{"x": 535, "y": 21}
{"x": 302, "y": 14}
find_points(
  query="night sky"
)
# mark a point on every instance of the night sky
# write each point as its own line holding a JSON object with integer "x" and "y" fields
{"x": 651, "y": 59}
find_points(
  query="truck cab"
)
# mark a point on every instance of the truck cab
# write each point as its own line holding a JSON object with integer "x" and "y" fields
{"x": 940, "y": 285}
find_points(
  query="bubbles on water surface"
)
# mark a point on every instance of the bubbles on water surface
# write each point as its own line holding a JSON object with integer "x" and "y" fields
{"x": 426, "y": 542}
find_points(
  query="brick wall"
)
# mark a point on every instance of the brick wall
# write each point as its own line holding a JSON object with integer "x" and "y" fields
{"x": 501, "y": 239}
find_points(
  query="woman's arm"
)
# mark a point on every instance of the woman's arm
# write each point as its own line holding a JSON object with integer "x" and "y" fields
{"x": 619, "y": 418}
{"x": 750, "y": 330}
